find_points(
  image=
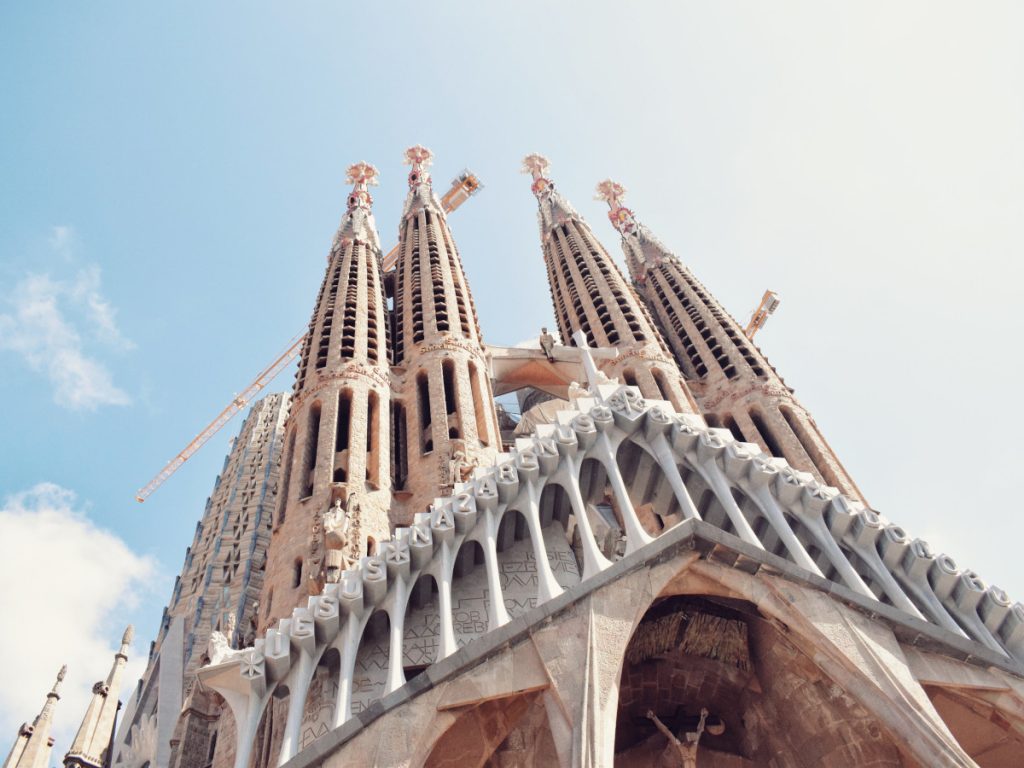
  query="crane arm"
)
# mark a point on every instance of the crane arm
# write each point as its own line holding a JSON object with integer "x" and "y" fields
{"x": 769, "y": 303}
{"x": 241, "y": 400}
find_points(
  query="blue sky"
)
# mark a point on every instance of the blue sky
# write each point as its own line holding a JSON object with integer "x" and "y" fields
{"x": 171, "y": 177}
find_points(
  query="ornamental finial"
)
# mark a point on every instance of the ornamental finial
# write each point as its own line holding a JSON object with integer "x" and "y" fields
{"x": 537, "y": 166}
{"x": 420, "y": 158}
{"x": 619, "y": 215}
{"x": 361, "y": 175}
{"x": 128, "y": 636}
{"x": 55, "y": 691}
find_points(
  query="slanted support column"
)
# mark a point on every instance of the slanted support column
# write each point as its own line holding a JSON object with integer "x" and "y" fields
{"x": 547, "y": 585}
{"x": 301, "y": 635}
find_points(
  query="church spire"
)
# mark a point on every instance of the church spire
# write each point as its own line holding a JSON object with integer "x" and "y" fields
{"x": 421, "y": 188}
{"x": 89, "y": 749}
{"x": 32, "y": 747}
{"x": 735, "y": 386}
{"x": 444, "y": 417}
{"x": 553, "y": 208}
{"x": 591, "y": 295}
{"x": 358, "y": 223}
{"x": 334, "y": 470}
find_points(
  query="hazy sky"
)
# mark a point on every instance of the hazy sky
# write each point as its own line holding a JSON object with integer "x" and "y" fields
{"x": 171, "y": 176}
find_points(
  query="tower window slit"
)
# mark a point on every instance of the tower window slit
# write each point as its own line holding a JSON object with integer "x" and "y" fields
{"x": 767, "y": 435}
{"x": 344, "y": 419}
{"x": 448, "y": 372}
{"x": 399, "y": 454}
{"x": 423, "y": 406}
{"x": 372, "y": 439}
{"x": 310, "y": 453}
{"x": 286, "y": 481}
{"x": 807, "y": 443}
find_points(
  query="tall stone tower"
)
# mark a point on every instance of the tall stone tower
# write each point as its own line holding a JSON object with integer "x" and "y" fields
{"x": 735, "y": 385}
{"x": 34, "y": 743}
{"x": 444, "y": 420}
{"x": 91, "y": 744}
{"x": 590, "y": 294}
{"x": 218, "y": 590}
{"x": 337, "y": 452}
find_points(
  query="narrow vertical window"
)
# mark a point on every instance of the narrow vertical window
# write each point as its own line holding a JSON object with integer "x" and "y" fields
{"x": 286, "y": 481}
{"x": 448, "y": 371}
{"x": 423, "y": 406}
{"x": 399, "y": 455}
{"x": 344, "y": 419}
{"x": 297, "y": 572}
{"x": 767, "y": 435}
{"x": 312, "y": 444}
{"x": 372, "y": 439}
{"x": 662, "y": 384}
{"x": 807, "y": 443}
{"x": 341, "y": 436}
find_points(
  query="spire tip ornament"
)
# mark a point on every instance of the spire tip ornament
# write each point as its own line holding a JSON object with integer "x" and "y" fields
{"x": 420, "y": 158}
{"x": 537, "y": 166}
{"x": 619, "y": 215}
{"x": 361, "y": 175}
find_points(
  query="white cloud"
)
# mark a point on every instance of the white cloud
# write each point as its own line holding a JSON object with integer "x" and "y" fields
{"x": 68, "y": 584}
{"x": 41, "y": 326}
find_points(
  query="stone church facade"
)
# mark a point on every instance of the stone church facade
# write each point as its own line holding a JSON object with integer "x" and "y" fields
{"x": 671, "y": 567}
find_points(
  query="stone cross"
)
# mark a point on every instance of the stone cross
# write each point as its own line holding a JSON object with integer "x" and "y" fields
{"x": 594, "y": 376}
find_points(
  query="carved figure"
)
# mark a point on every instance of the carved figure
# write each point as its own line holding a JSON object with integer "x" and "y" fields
{"x": 230, "y": 630}
{"x": 458, "y": 471}
{"x": 687, "y": 750}
{"x": 547, "y": 343}
{"x": 337, "y": 523}
{"x": 219, "y": 649}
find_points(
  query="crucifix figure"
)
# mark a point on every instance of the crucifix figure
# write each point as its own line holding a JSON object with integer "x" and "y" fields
{"x": 687, "y": 750}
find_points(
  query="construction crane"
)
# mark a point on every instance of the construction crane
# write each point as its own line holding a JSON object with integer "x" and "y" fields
{"x": 464, "y": 186}
{"x": 769, "y": 303}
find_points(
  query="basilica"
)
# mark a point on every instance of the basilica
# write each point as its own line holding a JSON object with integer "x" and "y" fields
{"x": 662, "y": 562}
